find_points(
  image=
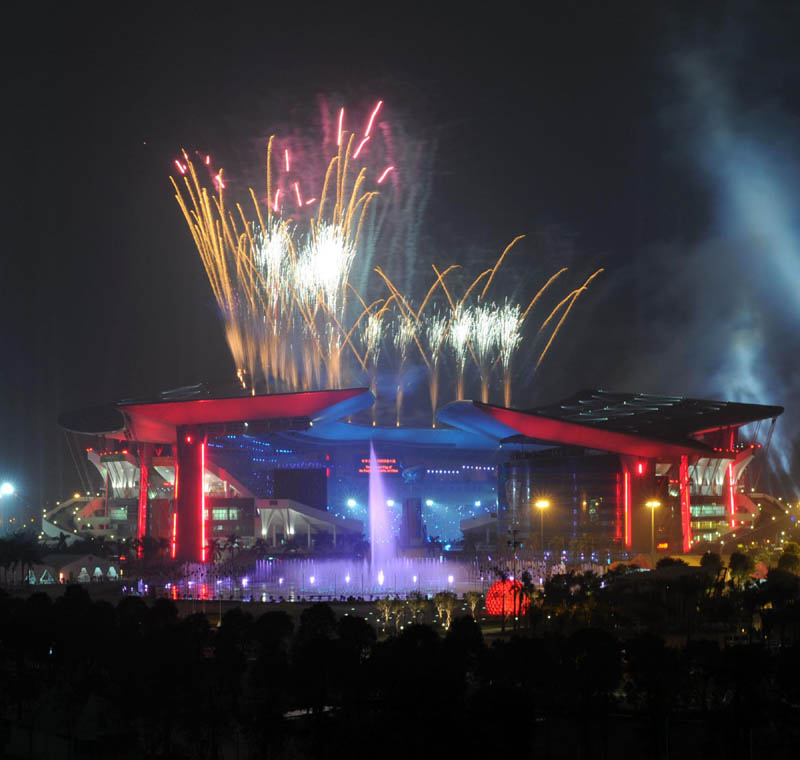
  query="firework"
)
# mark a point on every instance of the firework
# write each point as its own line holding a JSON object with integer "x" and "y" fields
{"x": 371, "y": 338}
{"x": 484, "y": 337}
{"x": 461, "y": 328}
{"x": 288, "y": 271}
{"x": 508, "y": 339}
{"x": 435, "y": 330}
{"x": 403, "y": 336}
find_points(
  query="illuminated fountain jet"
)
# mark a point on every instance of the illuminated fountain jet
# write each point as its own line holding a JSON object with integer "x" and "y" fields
{"x": 380, "y": 525}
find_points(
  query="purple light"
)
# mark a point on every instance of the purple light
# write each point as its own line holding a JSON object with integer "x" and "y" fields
{"x": 380, "y": 527}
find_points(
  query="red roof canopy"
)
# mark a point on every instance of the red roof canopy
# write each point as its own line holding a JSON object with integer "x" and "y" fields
{"x": 571, "y": 433}
{"x": 243, "y": 408}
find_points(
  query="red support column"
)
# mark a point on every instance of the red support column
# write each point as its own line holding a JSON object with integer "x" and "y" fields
{"x": 190, "y": 527}
{"x": 686, "y": 514}
{"x": 731, "y": 495}
{"x": 626, "y": 492}
{"x": 144, "y": 484}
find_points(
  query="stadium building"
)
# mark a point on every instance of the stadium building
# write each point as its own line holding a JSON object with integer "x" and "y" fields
{"x": 192, "y": 466}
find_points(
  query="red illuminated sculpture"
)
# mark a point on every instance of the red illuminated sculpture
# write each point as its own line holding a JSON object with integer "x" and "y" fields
{"x": 506, "y": 598}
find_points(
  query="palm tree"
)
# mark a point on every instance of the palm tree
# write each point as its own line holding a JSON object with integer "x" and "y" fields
{"x": 233, "y": 544}
{"x": 19, "y": 549}
{"x": 502, "y": 575}
{"x": 163, "y": 547}
{"x": 360, "y": 548}
{"x": 6, "y": 556}
{"x": 435, "y": 545}
{"x": 136, "y": 546}
{"x": 149, "y": 546}
{"x": 99, "y": 546}
{"x": 261, "y": 548}
{"x": 215, "y": 549}
{"x": 30, "y": 553}
{"x": 740, "y": 567}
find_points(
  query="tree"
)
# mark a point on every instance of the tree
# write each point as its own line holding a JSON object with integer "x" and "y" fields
{"x": 740, "y": 567}
{"x": 261, "y": 548}
{"x": 781, "y": 587}
{"x": 417, "y": 605}
{"x": 385, "y": 608}
{"x": 149, "y": 546}
{"x": 360, "y": 548}
{"x": 215, "y": 549}
{"x": 323, "y": 542}
{"x": 790, "y": 562}
{"x": 654, "y": 679}
{"x": 232, "y": 544}
{"x": 711, "y": 562}
{"x": 273, "y": 631}
{"x": 465, "y": 640}
{"x": 316, "y": 622}
{"x": 445, "y": 602}
{"x": 592, "y": 668}
{"x": 670, "y": 562}
{"x": 472, "y": 598}
{"x": 314, "y": 656}
{"x": 715, "y": 572}
{"x": 134, "y": 546}
{"x": 163, "y": 546}
{"x": 450, "y": 607}
{"x": 398, "y": 608}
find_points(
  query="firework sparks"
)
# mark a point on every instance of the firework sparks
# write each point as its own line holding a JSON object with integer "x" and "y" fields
{"x": 360, "y": 147}
{"x": 458, "y": 337}
{"x": 371, "y": 338}
{"x": 508, "y": 339}
{"x": 404, "y": 334}
{"x": 435, "y": 333}
{"x": 293, "y": 318}
{"x": 385, "y": 174}
{"x": 485, "y": 341}
{"x": 372, "y": 118}
{"x": 339, "y": 131}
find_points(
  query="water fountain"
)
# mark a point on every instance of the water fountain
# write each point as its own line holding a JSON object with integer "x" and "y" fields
{"x": 385, "y": 573}
{"x": 381, "y": 539}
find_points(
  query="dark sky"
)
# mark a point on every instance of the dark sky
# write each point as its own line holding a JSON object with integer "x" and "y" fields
{"x": 611, "y": 135}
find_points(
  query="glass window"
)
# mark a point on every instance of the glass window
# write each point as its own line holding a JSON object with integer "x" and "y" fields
{"x": 219, "y": 513}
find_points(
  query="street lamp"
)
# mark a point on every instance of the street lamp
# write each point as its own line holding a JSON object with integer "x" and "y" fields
{"x": 653, "y": 505}
{"x": 541, "y": 505}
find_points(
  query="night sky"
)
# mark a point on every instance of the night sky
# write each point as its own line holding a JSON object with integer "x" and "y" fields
{"x": 654, "y": 139}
